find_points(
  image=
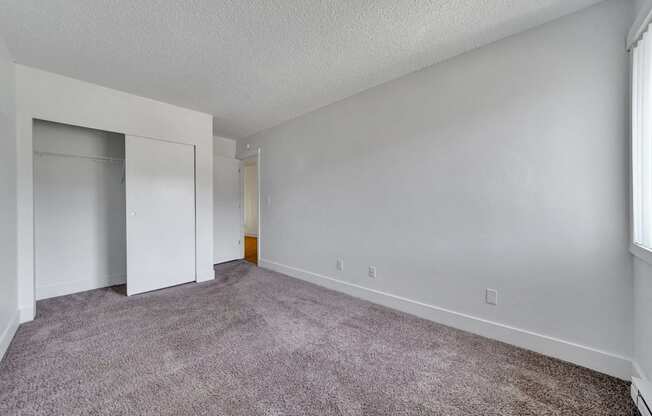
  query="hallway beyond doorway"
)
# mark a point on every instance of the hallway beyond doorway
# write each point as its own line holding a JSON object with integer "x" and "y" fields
{"x": 251, "y": 249}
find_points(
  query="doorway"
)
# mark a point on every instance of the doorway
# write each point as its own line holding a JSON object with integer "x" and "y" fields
{"x": 251, "y": 207}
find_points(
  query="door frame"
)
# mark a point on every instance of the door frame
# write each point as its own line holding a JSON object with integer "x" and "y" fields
{"x": 254, "y": 155}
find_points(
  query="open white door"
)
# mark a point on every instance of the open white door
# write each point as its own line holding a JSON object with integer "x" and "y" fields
{"x": 227, "y": 218}
{"x": 241, "y": 183}
{"x": 160, "y": 204}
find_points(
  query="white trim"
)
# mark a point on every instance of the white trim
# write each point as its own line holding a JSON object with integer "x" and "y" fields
{"x": 66, "y": 288}
{"x": 242, "y": 207}
{"x": 641, "y": 252}
{"x": 641, "y": 393}
{"x": 259, "y": 185}
{"x": 637, "y": 371}
{"x": 26, "y": 314}
{"x": 630, "y": 143}
{"x": 640, "y": 26}
{"x": 8, "y": 333}
{"x": 223, "y": 260}
{"x": 593, "y": 358}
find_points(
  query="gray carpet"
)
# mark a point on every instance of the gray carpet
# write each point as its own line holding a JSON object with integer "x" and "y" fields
{"x": 260, "y": 343}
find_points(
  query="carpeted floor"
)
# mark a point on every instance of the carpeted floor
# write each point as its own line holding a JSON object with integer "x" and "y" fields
{"x": 259, "y": 343}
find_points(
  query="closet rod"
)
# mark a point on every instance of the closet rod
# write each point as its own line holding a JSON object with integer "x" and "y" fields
{"x": 102, "y": 158}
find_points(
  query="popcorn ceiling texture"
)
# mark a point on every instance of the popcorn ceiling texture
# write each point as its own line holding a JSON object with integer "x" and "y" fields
{"x": 254, "y": 64}
{"x": 256, "y": 342}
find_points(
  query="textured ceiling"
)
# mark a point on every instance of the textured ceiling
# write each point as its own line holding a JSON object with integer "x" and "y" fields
{"x": 256, "y": 63}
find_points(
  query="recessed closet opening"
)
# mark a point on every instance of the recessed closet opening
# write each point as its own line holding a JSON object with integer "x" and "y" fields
{"x": 79, "y": 209}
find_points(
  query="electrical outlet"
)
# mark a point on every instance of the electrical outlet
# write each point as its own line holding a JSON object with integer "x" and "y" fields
{"x": 340, "y": 264}
{"x": 491, "y": 297}
{"x": 372, "y": 272}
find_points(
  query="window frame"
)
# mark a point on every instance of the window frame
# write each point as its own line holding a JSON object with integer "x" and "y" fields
{"x": 638, "y": 250}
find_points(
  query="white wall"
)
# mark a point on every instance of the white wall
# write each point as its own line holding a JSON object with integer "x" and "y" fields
{"x": 8, "y": 268}
{"x": 643, "y": 317}
{"x": 640, "y": 5}
{"x": 52, "y": 97}
{"x": 79, "y": 209}
{"x": 251, "y": 199}
{"x": 223, "y": 147}
{"x": 502, "y": 168}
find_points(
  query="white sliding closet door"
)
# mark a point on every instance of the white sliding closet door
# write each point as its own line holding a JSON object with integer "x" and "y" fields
{"x": 160, "y": 204}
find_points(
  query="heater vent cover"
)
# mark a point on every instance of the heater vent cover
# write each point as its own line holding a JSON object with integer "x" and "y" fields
{"x": 642, "y": 395}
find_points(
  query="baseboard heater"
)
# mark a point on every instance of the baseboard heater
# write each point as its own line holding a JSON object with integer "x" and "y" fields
{"x": 642, "y": 395}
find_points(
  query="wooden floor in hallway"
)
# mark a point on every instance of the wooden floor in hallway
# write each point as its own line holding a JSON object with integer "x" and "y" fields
{"x": 251, "y": 249}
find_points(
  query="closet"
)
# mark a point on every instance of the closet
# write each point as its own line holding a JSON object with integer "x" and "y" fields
{"x": 79, "y": 209}
{"x": 111, "y": 209}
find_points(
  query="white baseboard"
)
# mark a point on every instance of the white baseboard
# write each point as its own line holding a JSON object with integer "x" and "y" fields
{"x": 26, "y": 314}
{"x": 226, "y": 260}
{"x": 637, "y": 371}
{"x": 66, "y": 288}
{"x": 8, "y": 332}
{"x": 585, "y": 356}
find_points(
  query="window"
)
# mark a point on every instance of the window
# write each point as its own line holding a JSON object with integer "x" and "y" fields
{"x": 642, "y": 142}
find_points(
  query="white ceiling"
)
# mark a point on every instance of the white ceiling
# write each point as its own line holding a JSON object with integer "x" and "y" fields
{"x": 256, "y": 63}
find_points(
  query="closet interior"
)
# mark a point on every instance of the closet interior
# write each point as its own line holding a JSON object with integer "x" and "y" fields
{"x": 79, "y": 209}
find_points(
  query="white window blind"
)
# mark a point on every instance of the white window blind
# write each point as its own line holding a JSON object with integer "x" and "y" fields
{"x": 642, "y": 141}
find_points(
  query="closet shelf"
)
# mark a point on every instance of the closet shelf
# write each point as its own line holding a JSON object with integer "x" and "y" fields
{"x": 98, "y": 158}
